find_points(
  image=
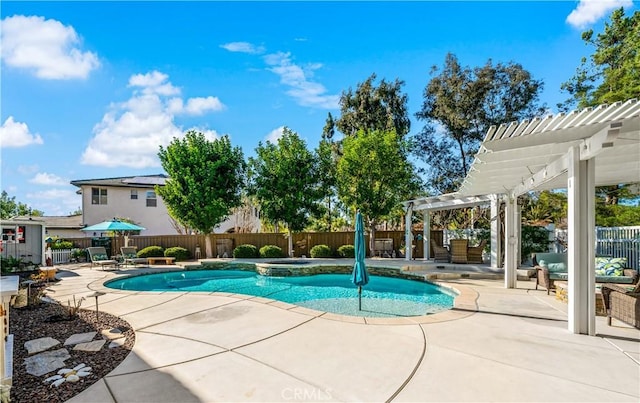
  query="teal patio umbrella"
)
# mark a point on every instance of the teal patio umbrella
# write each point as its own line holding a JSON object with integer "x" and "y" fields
{"x": 114, "y": 226}
{"x": 360, "y": 275}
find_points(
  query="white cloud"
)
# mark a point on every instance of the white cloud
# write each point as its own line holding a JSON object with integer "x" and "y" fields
{"x": 589, "y": 11}
{"x": 43, "y": 178}
{"x": 243, "y": 47}
{"x": 54, "y": 201}
{"x": 208, "y": 134}
{"x": 131, "y": 132}
{"x": 305, "y": 91}
{"x": 28, "y": 169}
{"x": 275, "y": 135}
{"x": 16, "y": 134}
{"x": 46, "y": 47}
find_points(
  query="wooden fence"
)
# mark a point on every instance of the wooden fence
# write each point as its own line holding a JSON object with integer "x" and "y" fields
{"x": 302, "y": 241}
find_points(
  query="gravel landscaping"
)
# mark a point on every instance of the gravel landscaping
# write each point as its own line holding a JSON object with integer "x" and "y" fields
{"x": 44, "y": 320}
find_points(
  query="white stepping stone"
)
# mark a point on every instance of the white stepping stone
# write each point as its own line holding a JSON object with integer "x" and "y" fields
{"x": 117, "y": 342}
{"x": 91, "y": 346}
{"x": 39, "y": 345}
{"x": 80, "y": 338}
{"x": 112, "y": 334}
{"x": 46, "y": 362}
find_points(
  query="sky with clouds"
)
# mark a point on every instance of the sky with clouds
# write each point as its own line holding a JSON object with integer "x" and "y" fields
{"x": 93, "y": 89}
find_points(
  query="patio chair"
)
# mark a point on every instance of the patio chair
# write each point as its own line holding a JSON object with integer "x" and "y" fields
{"x": 439, "y": 252}
{"x": 98, "y": 255}
{"x": 474, "y": 253}
{"x": 130, "y": 256}
{"x": 459, "y": 250}
{"x": 622, "y": 303}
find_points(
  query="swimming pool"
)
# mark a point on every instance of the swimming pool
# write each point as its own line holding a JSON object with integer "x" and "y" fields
{"x": 382, "y": 297}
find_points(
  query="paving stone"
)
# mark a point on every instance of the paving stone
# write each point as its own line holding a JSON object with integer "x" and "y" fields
{"x": 91, "y": 346}
{"x": 117, "y": 342}
{"x": 80, "y": 338}
{"x": 39, "y": 345}
{"x": 46, "y": 362}
{"x": 112, "y": 334}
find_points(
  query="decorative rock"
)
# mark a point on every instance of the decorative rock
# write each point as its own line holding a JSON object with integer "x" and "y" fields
{"x": 58, "y": 382}
{"x": 79, "y": 366}
{"x": 112, "y": 334}
{"x": 73, "y": 378}
{"x": 80, "y": 338}
{"x": 39, "y": 345}
{"x": 46, "y": 362}
{"x": 53, "y": 378}
{"x": 64, "y": 371}
{"x": 117, "y": 343}
{"x": 92, "y": 346}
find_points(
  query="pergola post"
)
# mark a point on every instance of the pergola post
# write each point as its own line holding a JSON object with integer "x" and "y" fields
{"x": 408, "y": 235}
{"x": 496, "y": 243}
{"x": 511, "y": 239}
{"x": 426, "y": 235}
{"x": 581, "y": 251}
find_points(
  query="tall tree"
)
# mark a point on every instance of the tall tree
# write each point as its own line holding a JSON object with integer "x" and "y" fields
{"x": 460, "y": 104}
{"x": 612, "y": 72}
{"x": 205, "y": 181}
{"x": 370, "y": 107}
{"x": 10, "y": 208}
{"x": 374, "y": 175}
{"x": 327, "y": 153}
{"x": 284, "y": 180}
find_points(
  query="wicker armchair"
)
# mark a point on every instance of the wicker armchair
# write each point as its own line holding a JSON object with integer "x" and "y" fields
{"x": 439, "y": 252}
{"x": 459, "y": 250}
{"x": 474, "y": 253}
{"x": 622, "y": 303}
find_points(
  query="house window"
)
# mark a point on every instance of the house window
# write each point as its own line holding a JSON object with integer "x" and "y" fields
{"x": 134, "y": 195}
{"x": 151, "y": 199}
{"x": 98, "y": 196}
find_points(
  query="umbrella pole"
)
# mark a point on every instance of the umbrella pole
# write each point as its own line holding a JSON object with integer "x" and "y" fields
{"x": 360, "y": 298}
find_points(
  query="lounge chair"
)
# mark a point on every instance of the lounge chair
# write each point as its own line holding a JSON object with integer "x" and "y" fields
{"x": 439, "y": 252}
{"x": 459, "y": 250}
{"x": 474, "y": 253}
{"x": 98, "y": 255}
{"x": 130, "y": 256}
{"x": 622, "y": 303}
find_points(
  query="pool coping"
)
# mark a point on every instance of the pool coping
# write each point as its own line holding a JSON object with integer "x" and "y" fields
{"x": 464, "y": 303}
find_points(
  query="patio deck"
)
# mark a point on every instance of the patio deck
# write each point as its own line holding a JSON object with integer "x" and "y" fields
{"x": 508, "y": 345}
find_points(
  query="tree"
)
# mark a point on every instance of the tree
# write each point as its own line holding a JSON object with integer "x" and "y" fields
{"x": 327, "y": 153}
{"x": 10, "y": 208}
{"x": 284, "y": 180}
{"x": 205, "y": 181}
{"x": 374, "y": 175}
{"x": 612, "y": 72}
{"x": 371, "y": 108}
{"x": 460, "y": 104}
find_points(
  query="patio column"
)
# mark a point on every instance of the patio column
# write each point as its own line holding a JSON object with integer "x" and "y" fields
{"x": 581, "y": 251}
{"x": 511, "y": 238}
{"x": 426, "y": 234}
{"x": 408, "y": 235}
{"x": 496, "y": 245}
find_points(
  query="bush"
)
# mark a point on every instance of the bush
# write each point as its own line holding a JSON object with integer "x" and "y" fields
{"x": 271, "y": 251}
{"x": 151, "y": 251}
{"x": 321, "y": 251}
{"x": 245, "y": 251}
{"x": 62, "y": 245}
{"x": 178, "y": 252}
{"x": 347, "y": 251}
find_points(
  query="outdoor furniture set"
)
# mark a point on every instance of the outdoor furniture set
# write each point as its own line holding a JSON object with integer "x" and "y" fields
{"x": 460, "y": 251}
{"x": 98, "y": 256}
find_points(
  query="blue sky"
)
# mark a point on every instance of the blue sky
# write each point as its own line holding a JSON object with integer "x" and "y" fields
{"x": 92, "y": 89}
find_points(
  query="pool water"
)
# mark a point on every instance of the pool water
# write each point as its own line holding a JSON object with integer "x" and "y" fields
{"x": 381, "y": 297}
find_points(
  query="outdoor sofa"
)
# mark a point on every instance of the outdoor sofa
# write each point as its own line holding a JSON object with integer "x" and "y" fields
{"x": 622, "y": 303}
{"x": 551, "y": 267}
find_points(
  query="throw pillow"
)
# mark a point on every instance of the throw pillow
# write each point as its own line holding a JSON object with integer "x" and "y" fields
{"x": 557, "y": 268}
{"x": 542, "y": 263}
{"x": 131, "y": 256}
{"x": 100, "y": 257}
{"x": 610, "y": 266}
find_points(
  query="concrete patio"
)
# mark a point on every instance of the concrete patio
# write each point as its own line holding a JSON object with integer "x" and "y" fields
{"x": 502, "y": 345}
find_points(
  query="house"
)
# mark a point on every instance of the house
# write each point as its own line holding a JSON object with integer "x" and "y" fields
{"x": 134, "y": 198}
{"x": 63, "y": 227}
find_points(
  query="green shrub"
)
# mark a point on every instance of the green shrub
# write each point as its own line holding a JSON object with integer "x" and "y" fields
{"x": 347, "y": 251}
{"x": 321, "y": 251}
{"x": 62, "y": 245}
{"x": 151, "y": 251}
{"x": 178, "y": 252}
{"x": 271, "y": 251}
{"x": 245, "y": 251}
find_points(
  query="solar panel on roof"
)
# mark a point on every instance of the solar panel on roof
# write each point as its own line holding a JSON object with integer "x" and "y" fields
{"x": 145, "y": 180}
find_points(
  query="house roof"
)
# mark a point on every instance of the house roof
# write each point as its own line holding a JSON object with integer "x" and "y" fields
{"x": 142, "y": 181}
{"x": 70, "y": 221}
{"x": 518, "y": 156}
